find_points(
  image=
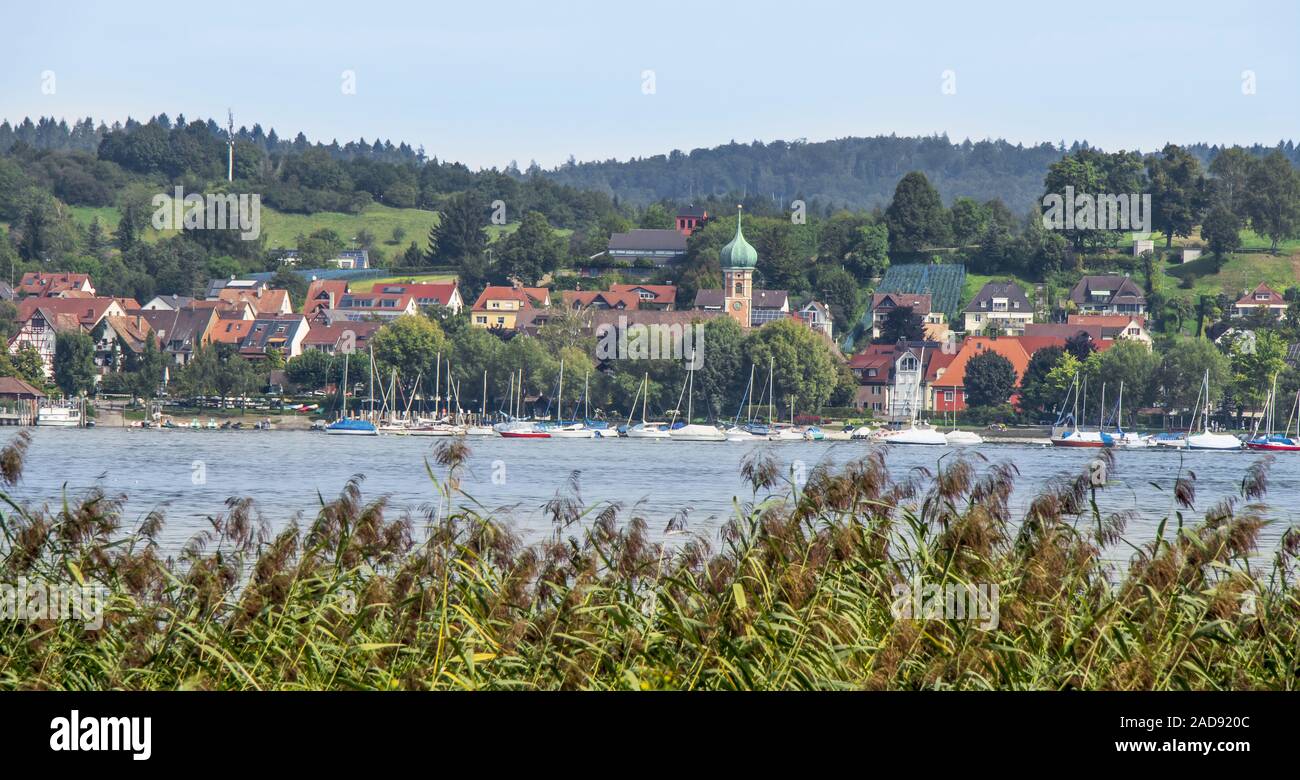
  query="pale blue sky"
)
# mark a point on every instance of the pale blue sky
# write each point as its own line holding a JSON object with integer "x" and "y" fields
{"x": 488, "y": 82}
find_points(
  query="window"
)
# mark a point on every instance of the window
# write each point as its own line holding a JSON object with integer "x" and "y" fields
{"x": 740, "y": 287}
{"x": 482, "y": 320}
{"x": 948, "y": 395}
{"x": 907, "y": 364}
{"x": 501, "y": 320}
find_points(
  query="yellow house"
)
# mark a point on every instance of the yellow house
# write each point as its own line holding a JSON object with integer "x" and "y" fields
{"x": 499, "y": 307}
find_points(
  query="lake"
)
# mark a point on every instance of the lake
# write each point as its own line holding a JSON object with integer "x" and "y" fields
{"x": 189, "y": 475}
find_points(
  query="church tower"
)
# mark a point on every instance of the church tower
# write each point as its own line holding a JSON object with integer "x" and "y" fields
{"x": 738, "y": 259}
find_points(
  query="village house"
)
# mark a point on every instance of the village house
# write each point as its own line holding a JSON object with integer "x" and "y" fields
{"x": 41, "y": 284}
{"x": 1115, "y": 326}
{"x": 501, "y": 307}
{"x": 324, "y": 294}
{"x": 39, "y": 330}
{"x": 1108, "y": 294}
{"x": 283, "y": 333}
{"x": 817, "y": 316}
{"x": 348, "y": 259}
{"x": 359, "y": 306}
{"x": 920, "y": 303}
{"x": 117, "y": 339}
{"x": 167, "y": 303}
{"x": 339, "y": 337}
{"x": 1261, "y": 298}
{"x": 599, "y": 299}
{"x": 215, "y": 286}
{"x": 653, "y": 296}
{"x": 427, "y": 294}
{"x": 265, "y": 301}
{"x": 999, "y": 306}
{"x": 893, "y": 378}
{"x": 182, "y": 332}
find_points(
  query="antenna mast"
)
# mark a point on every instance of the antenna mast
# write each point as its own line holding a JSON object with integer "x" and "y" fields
{"x": 230, "y": 145}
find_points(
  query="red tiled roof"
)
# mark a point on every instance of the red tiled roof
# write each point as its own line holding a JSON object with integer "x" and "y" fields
{"x": 1274, "y": 297}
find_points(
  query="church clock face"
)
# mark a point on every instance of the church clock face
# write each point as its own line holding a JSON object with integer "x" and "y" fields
{"x": 736, "y": 305}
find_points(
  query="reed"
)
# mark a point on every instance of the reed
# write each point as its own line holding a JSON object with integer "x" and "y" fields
{"x": 799, "y": 591}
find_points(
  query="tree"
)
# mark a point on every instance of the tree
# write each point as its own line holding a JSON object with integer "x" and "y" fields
{"x": 1178, "y": 192}
{"x": 1134, "y": 365}
{"x": 295, "y": 283}
{"x": 901, "y": 324}
{"x": 969, "y": 221}
{"x": 1183, "y": 363}
{"x": 1037, "y": 394}
{"x": 74, "y": 363}
{"x": 1231, "y": 171}
{"x": 1254, "y": 362}
{"x": 721, "y": 378}
{"x": 1273, "y": 198}
{"x": 146, "y": 371}
{"x": 990, "y": 380}
{"x": 310, "y": 370}
{"x": 1080, "y": 346}
{"x": 837, "y": 288}
{"x": 1222, "y": 231}
{"x": 801, "y": 359}
{"x": 532, "y": 251}
{"x": 411, "y": 345}
{"x": 319, "y": 248}
{"x": 916, "y": 217}
{"x": 461, "y": 230}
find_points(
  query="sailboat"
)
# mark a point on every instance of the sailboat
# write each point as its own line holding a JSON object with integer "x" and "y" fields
{"x": 481, "y": 428}
{"x": 354, "y": 426}
{"x": 958, "y": 437}
{"x": 515, "y": 428}
{"x": 644, "y": 429}
{"x": 1207, "y": 439}
{"x": 741, "y": 433}
{"x": 1278, "y": 442}
{"x": 916, "y": 432}
{"x": 562, "y": 429}
{"x": 1066, "y": 431}
{"x": 777, "y": 432}
{"x": 691, "y": 431}
{"x": 1121, "y": 437}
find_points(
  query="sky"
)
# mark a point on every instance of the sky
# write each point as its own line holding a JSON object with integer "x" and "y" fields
{"x": 491, "y": 81}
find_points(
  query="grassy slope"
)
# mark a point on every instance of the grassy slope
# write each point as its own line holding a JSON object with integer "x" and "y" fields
{"x": 281, "y": 229}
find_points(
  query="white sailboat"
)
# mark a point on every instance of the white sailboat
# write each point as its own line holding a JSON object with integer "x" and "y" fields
{"x": 691, "y": 431}
{"x": 644, "y": 429}
{"x": 1207, "y": 439}
{"x": 562, "y": 430}
{"x": 481, "y": 428}
{"x": 916, "y": 432}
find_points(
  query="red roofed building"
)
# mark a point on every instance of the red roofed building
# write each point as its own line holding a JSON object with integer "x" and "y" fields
{"x": 427, "y": 294}
{"x": 340, "y": 336}
{"x": 500, "y": 307}
{"x": 600, "y": 299}
{"x": 949, "y": 389}
{"x": 41, "y": 284}
{"x": 653, "y": 296}
{"x": 324, "y": 294}
{"x": 1263, "y": 297}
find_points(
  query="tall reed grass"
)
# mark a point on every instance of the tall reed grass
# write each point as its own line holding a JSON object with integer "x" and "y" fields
{"x": 796, "y": 595}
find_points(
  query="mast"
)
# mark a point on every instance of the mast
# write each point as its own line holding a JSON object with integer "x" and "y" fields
{"x": 749, "y": 394}
{"x": 343, "y": 388}
{"x": 771, "y": 389}
{"x": 370, "y": 402}
{"x": 586, "y": 402}
{"x": 559, "y": 401}
{"x": 645, "y": 396}
{"x": 483, "y": 403}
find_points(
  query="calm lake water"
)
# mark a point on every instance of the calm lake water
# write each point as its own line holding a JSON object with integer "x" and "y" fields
{"x": 286, "y": 472}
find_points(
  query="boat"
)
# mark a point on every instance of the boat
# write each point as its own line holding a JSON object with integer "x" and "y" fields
{"x": 1273, "y": 441}
{"x": 916, "y": 431}
{"x": 691, "y": 431}
{"x": 1207, "y": 439}
{"x": 61, "y": 415}
{"x": 960, "y": 438}
{"x": 844, "y": 434}
{"x": 861, "y": 432}
{"x": 567, "y": 430}
{"x": 1066, "y": 431}
{"x": 345, "y": 426}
